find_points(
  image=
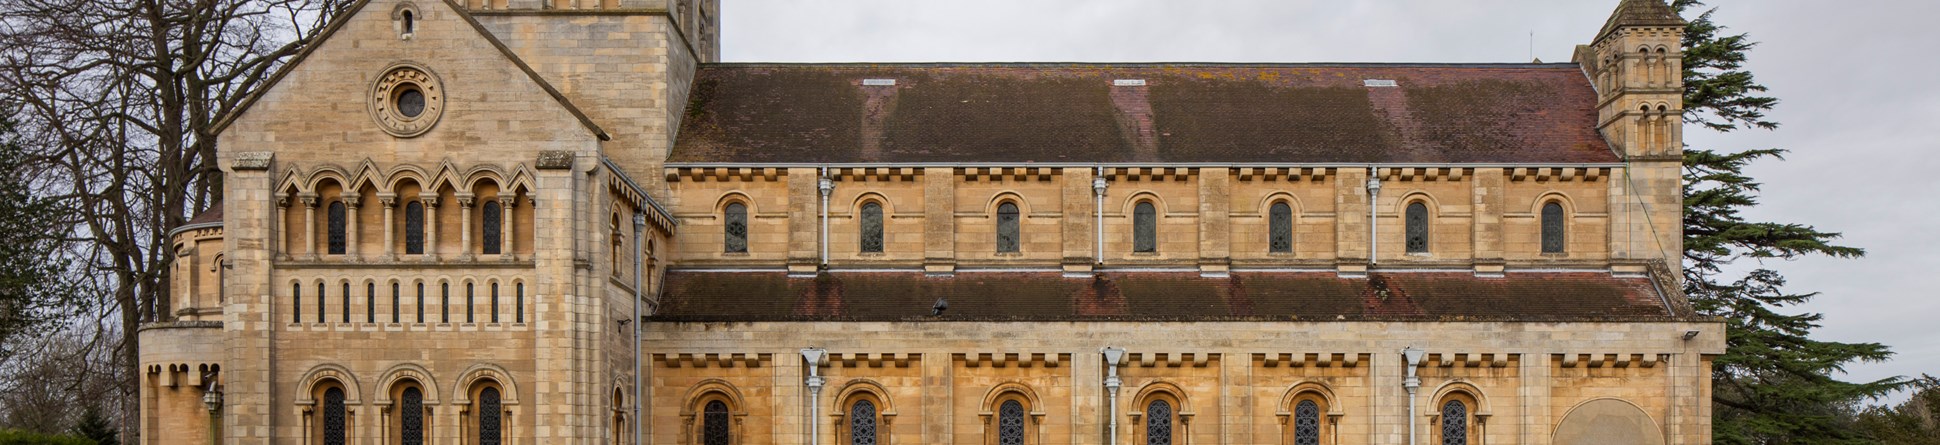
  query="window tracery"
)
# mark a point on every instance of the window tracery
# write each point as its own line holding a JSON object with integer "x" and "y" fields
{"x": 337, "y": 230}
{"x": 1417, "y": 227}
{"x": 714, "y": 424}
{"x": 1306, "y": 423}
{"x": 489, "y": 413}
{"x": 414, "y": 228}
{"x": 1010, "y": 423}
{"x": 492, "y": 215}
{"x": 1553, "y": 228}
{"x": 862, "y": 423}
{"x": 411, "y": 411}
{"x": 333, "y": 416}
{"x": 735, "y": 226}
{"x": 1280, "y": 228}
{"x": 1145, "y": 228}
{"x": 871, "y": 226}
{"x": 1454, "y": 423}
{"x": 1158, "y": 423}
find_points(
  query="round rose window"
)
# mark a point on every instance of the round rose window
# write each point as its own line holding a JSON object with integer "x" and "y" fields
{"x": 407, "y": 100}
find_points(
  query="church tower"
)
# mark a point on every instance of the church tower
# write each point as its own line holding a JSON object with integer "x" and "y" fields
{"x": 1636, "y": 64}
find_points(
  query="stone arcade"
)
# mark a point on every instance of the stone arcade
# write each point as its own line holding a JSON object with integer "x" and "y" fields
{"x": 441, "y": 221}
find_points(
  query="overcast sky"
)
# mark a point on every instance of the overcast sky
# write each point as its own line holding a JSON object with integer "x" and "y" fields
{"x": 1859, "y": 111}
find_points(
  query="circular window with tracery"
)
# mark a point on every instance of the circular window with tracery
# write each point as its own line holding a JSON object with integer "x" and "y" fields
{"x": 407, "y": 100}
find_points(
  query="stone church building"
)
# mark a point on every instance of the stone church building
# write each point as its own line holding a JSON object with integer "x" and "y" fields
{"x": 483, "y": 222}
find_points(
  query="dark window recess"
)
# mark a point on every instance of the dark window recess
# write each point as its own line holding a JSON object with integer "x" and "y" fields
{"x": 1280, "y": 228}
{"x": 1553, "y": 228}
{"x": 412, "y": 423}
{"x": 518, "y": 304}
{"x": 395, "y": 300}
{"x": 1454, "y": 424}
{"x": 735, "y": 224}
{"x": 1417, "y": 227}
{"x": 346, "y": 298}
{"x": 1306, "y": 423}
{"x": 414, "y": 228}
{"x": 862, "y": 423}
{"x": 336, "y": 227}
{"x": 470, "y": 309}
{"x": 410, "y": 102}
{"x": 333, "y": 416}
{"x": 489, "y": 420}
{"x": 322, "y": 302}
{"x": 1009, "y": 238}
{"x": 495, "y": 302}
{"x": 1158, "y": 423}
{"x": 1010, "y": 423}
{"x": 420, "y": 302}
{"x": 444, "y": 302}
{"x": 370, "y": 302}
{"x": 714, "y": 424}
{"x": 492, "y": 216}
{"x": 296, "y": 302}
{"x": 872, "y": 227}
{"x": 1145, "y": 228}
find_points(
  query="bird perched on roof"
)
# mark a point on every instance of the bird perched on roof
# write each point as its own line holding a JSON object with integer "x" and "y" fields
{"x": 940, "y": 306}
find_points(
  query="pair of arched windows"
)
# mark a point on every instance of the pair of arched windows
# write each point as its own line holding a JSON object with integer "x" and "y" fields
{"x": 491, "y": 221}
{"x": 487, "y": 427}
{"x": 1554, "y": 226}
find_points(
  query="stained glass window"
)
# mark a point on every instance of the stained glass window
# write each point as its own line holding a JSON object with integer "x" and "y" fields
{"x": 735, "y": 224}
{"x": 1158, "y": 423}
{"x": 1280, "y": 228}
{"x": 1552, "y": 227}
{"x": 495, "y": 302}
{"x": 412, "y": 411}
{"x": 333, "y": 416}
{"x": 1009, "y": 238}
{"x": 395, "y": 301}
{"x": 862, "y": 423}
{"x": 872, "y": 227}
{"x": 1417, "y": 227}
{"x": 470, "y": 309}
{"x": 296, "y": 302}
{"x": 414, "y": 228}
{"x": 1010, "y": 423}
{"x": 488, "y": 417}
{"x": 1454, "y": 423}
{"x": 714, "y": 424}
{"x": 444, "y": 302}
{"x": 322, "y": 302}
{"x": 336, "y": 225}
{"x": 518, "y": 305}
{"x": 370, "y": 302}
{"x": 420, "y": 304}
{"x": 1306, "y": 423}
{"x": 491, "y": 214}
{"x": 1145, "y": 228}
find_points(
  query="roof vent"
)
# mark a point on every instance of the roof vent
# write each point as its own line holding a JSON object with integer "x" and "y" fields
{"x": 879, "y": 82}
{"x": 1380, "y": 83}
{"x": 1128, "y": 82}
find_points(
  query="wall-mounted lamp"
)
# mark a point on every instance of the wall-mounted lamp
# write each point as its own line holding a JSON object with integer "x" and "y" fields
{"x": 1688, "y": 335}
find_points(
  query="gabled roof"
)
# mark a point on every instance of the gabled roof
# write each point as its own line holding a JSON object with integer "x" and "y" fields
{"x": 351, "y": 12}
{"x": 1640, "y": 13}
{"x": 1170, "y": 113}
{"x": 706, "y": 296}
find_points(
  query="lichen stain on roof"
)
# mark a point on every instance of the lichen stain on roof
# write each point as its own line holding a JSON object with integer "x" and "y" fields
{"x": 1072, "y": 113}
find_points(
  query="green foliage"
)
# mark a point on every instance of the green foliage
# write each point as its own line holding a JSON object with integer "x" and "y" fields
{"x": 32, "y": 294}
{"x": 14, "y": 437}
{"x": 1915, "y": 422}
{"x": 1774, "y": 384}
{"x": 96, "y": 428}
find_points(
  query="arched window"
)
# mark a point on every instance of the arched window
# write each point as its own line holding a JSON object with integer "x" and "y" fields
{"x": 492, "y": 216}
{"x": 1454, "y": 423}
{"x": 370, "y": 302}
{"x": 471, "y": 310}
{"x": 323, "y": 302}
{"x": 871, "y": 227}
{"x": 346, "y": 298}
{"x": 1279, "y": 228}
{"x": 714, "y": 424}
{"x": 862, "y": 423}
{"x": 1417, "y": 221}
{"x": 1552, "y": 227}
{"x": 333, "y": 416}
{"x": 735, "y": 226}
{"x": 489, "y": 414}
{"x": 414, "y": 228}
{"x": 518, "y": 303}
{"x": 1009, "y": 236}
{"x": 1306, "y": 423}
{"x": 1158, "y": 423}
{"x": 494, "y": 302}
{"x": 1145, "y": 228}
{"x": 1010, "y": 423}
{"x": 296, "y": 302}
{"x": 420, "y": 304}
{"x": 396, "y": 299}
{"x": 444, "y": 302}
{"x": 336, "y": 225}
{"x": 411, "y": 417}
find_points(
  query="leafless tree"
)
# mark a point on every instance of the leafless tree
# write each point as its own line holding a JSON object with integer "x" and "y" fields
{"x": 119, "y": 97}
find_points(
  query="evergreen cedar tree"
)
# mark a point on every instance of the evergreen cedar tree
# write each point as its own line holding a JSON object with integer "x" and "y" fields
{"x": 1774, "y": 384}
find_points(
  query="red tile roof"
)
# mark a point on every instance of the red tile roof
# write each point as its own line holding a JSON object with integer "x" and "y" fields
{"x": 213, "y": 215}
{"x": 1073, "y": 113}
{"x": 1180, "y": 296}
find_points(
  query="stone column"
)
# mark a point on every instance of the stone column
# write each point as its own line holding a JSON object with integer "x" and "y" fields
{"x": 309, "y": 225}
{"x": 430, "y": 227}
{"x": 465, "y": 249}
{"x": 505, "y": 203}
{"x": 351, "y": 227}
{"x": 282, "y": 228}
{"x": 390, "y": 225}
